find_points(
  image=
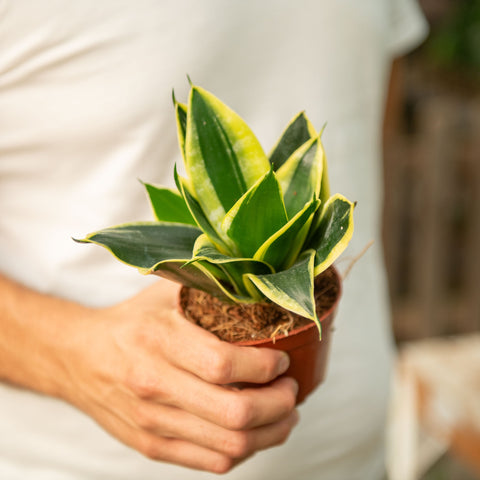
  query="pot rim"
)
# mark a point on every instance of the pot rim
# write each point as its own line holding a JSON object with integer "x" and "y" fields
{"x": 309, "y": 328}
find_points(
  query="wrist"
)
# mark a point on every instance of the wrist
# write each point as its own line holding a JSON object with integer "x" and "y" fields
{"x": 58, "y": 344}
{"x": 36, "y": 333}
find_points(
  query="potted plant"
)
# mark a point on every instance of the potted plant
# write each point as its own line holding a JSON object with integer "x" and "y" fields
{"x": 251, "y": 237}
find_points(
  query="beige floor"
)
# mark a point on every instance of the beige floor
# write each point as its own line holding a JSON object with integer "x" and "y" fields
{"x": 436, "y": 409}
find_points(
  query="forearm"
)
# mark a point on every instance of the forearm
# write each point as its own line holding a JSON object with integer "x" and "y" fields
{"x": 148, "y": 376}
{"x": 35, "y": 332}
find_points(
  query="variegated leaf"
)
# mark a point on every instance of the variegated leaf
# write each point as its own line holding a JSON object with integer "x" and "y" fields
{"x": 283, "y": 247}
{"x": 297, "y": 132}
{"x": 292, "y": 289}
{"x": 162, "y": 249}
{"x": 325, "y": 183}
{"x": 181, "y": 117}
{"x": 234, "y": 267}
{"x": 243, "y": 223}
{"x": 300, "y": 176}
{"x": 333, "y": 233}
{"x": 220, "y": 146}
{"x": 199, "y": 216}
{"x": 145, "y": 244}
{"x": 197, "y": 275}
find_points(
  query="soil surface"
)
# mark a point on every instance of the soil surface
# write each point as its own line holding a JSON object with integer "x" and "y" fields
{"x": 242, "y": 322}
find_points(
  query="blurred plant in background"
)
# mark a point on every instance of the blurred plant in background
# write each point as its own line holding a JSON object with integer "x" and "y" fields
{"x": 455, "y": 40}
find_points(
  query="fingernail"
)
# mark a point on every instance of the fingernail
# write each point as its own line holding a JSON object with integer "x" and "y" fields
{"x": 283, "y": 364}
{"x": 295, "y": 386}
{"x": 296, "y": 417}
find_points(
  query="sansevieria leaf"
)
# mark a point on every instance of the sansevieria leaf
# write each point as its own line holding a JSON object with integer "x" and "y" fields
{"x": 223, "y": 157}
{"x": 163, "y": 249}
{"x": 234, "y": 267}
{"x": 285, "y": 244}
{"x": 333, "y": 232}
{"x": 325, "y": 183}
{"x": 242, "y": 227}
{"x": 245, "y": 227}
{"x": 198, "y": 214}
{"x": 324, "y": 196}
{"x": 145, "y": 244}
{"x": 292, "y": 289}
{"x": 297, "y": 132}
{"x": 300, "y": 176}
{"x": 168, "y": 205}
{"x": 195, "y": 276}
{"x": 181, "y": 117}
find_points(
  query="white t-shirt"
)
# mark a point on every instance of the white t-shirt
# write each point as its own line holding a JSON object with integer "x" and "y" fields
{"x": 85, "y": 110}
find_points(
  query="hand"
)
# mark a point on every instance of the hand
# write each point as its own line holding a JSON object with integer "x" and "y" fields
{"x": 160, "y": 384}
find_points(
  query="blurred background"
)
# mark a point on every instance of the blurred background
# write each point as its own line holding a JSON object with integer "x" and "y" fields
{"x": 432, "y": 196}
{"x": 432, "y": 177}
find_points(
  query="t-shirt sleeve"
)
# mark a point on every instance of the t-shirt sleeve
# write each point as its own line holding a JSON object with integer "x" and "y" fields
{"x": 408, "y": 27}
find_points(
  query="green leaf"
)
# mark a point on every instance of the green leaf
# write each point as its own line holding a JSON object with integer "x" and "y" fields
{"x": 168, "y": 205}
{"x": 162, "y": 249}
{"x": 297, "y": 132}
{"x": 181, "y": 114}
{"x": 300, "y": 176}
{"x": 245, "y": 226}
{"x": 223, "y": 157}
{"x": 145, "y": 244}
{"x": 292, "y": 289}
{"x": 234, "y": 267}
{"x": 197, "y": 276}
{"x": 181, "y": 117}
{"x": 325, "y": 183}
{"x": 198, "y": 214}
{"x": 333, "y": 232}
{"x": 324, "y": 196}
{"x": 283, "y": 247}
{"x": 204, "y": 249}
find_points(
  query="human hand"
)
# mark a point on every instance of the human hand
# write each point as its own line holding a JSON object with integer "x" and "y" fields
{"x": 160, "y": 384}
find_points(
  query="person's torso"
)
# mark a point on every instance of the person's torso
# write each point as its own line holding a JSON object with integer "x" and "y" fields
{"x": 85, "y": 110}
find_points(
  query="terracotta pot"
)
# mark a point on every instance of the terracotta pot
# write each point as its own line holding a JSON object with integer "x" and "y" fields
{"x": 308, "y": 354}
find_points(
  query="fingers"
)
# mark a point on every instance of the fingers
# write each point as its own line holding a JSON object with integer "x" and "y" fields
{"x": 195, "y": 350}
{"x": 171, "y": 435}
{"x": 159, "y": 447}
{"x": 183, "y": 373}
{"x": 245, "y": 409}
{"x": 236, "y": 425}
{"x": 226, "y": 407}
{"x": 174, "y": 423}
{"x": 184, "y": 453}
{"x": 191, "y": 364}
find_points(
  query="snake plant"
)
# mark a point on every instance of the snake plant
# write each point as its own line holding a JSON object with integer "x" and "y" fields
{"x": 242, "y": 226}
